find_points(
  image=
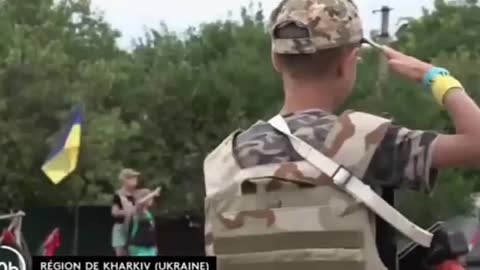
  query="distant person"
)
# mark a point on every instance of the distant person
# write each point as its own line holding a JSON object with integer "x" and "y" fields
{"x": 141, "y": 232}
{"x": 122, "y": 207}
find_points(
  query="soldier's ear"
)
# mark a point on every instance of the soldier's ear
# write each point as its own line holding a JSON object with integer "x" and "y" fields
{"x": 353, "y": 56}
{"x": 347, "y": 60}
{"x": 277, "y": 64}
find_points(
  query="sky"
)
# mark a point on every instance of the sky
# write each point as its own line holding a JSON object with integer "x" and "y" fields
{"x": 132, "y": 17}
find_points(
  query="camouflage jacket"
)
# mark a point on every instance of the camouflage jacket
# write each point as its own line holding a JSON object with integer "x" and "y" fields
{"x": 403, "y": 159}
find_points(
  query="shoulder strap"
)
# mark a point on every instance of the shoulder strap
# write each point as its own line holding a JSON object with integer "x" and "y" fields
{"x": 148, "y": 215}
{"x": 348, "y": 182}
{"x": 131, "y": 230}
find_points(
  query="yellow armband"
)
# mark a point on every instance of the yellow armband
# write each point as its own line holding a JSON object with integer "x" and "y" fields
{"x": 442, "y": 85}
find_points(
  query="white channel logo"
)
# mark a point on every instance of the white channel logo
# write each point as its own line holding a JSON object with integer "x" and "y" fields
{"x": 9, "y": 265}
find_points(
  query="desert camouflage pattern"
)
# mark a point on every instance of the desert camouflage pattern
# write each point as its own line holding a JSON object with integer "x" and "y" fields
{"x": 330, "y": 23}
{"x": 403, "y": 160}
{"x": 286, "y": 214}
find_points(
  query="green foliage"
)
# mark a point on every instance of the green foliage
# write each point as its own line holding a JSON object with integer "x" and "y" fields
{"x": 56, "y": 55}
{"x": 450, "y": 198}
{"x": 163, "y": 106}
{"x": 208, "y": 83}
{"x": 450, "y": 28}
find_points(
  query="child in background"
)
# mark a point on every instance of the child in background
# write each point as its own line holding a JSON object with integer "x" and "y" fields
{"x": 142, "y": 236}
{"x": 122, "y": 209}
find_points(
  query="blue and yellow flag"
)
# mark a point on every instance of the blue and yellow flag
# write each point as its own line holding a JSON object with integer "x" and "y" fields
{"x": 64, "y": 157}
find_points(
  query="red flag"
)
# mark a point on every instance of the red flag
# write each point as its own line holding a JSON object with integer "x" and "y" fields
{"x": 7, "y": 237}
{"x": 51, "y": 243}
{"x": 450, "y": 265}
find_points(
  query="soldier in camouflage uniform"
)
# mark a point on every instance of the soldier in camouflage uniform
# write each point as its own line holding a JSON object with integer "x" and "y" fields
{"x": 268, "y": 207}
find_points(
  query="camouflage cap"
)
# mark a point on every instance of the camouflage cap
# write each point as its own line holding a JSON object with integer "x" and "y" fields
{"x": 330, "y": 24}
{"x": 126, "y": 173}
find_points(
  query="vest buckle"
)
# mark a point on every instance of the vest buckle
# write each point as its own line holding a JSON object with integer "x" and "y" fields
{"x": 341, "y": 176}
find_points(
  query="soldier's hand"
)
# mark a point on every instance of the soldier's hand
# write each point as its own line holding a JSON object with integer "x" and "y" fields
{"x": 407, "y": 66}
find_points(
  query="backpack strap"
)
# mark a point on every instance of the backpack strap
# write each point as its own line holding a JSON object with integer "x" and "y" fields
{"x": 347, "y": 181}
{"x": 131, "y": 229}
{"x": 134, "y": 225}
{"x": 148, "y": 215}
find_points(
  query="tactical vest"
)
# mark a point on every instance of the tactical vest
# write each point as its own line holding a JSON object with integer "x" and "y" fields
{"x": 290, "y": 215}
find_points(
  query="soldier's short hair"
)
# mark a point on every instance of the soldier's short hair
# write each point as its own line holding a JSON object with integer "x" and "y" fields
{"x": 307, "y": 65}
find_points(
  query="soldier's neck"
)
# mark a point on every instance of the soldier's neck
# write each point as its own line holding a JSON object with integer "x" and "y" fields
{"x": 308, "y": 97}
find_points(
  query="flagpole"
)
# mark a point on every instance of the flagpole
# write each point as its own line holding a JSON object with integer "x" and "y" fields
{"x": 76, "y": 213}
{"x": 83, "y": 191}
{"x": 75, "y": 228}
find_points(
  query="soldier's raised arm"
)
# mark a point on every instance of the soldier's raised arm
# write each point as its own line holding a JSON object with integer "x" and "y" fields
{"x": 461, "y": 149}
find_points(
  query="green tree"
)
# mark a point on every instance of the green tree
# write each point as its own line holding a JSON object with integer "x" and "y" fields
{"x": 204, "y": 85}
{"x": 56, "y": 54}
{"x": 449, "y": 28}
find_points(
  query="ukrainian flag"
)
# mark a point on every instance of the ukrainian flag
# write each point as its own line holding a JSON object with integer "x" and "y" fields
{"x": 64, "y": 157}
